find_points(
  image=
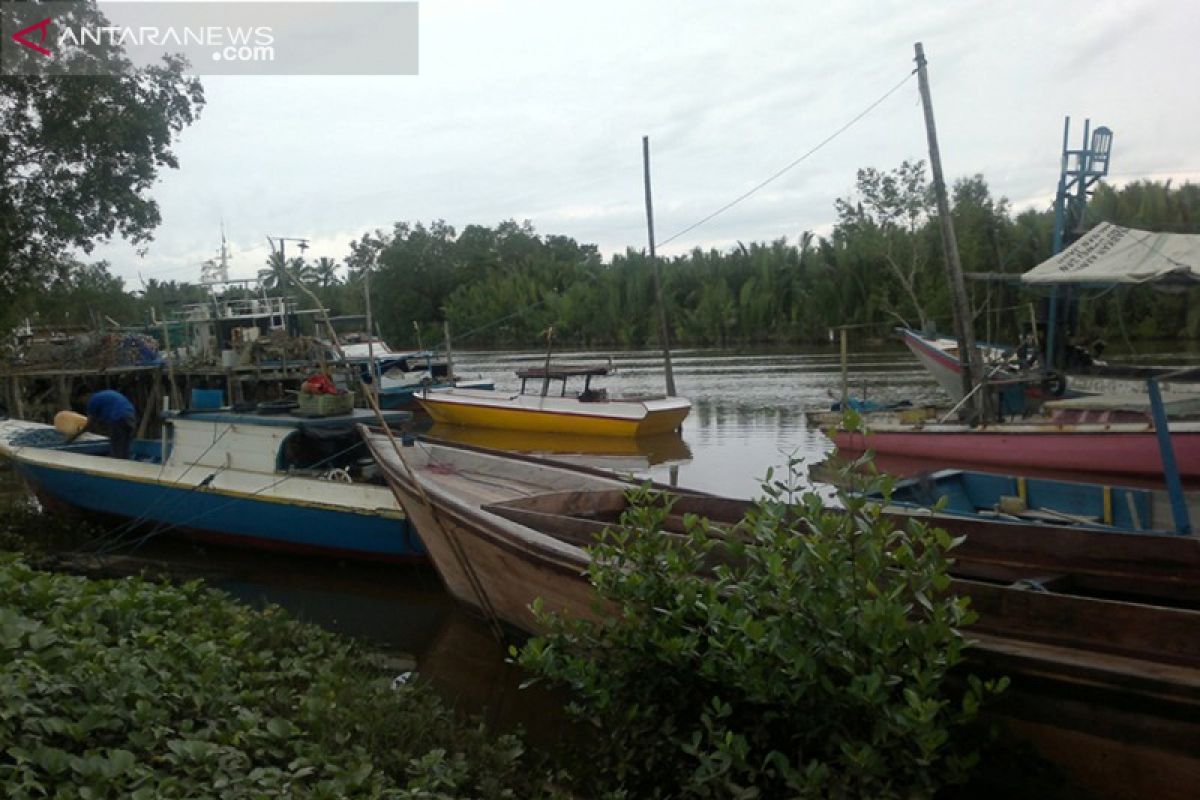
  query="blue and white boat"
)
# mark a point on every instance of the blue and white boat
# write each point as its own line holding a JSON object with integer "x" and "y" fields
{"x": 401, "y": 375}
{"x": 269, "y": 481}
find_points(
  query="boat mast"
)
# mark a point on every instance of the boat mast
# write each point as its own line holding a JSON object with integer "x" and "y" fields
{"x": 969, "y": 357}
{"x": 663, "y": 330}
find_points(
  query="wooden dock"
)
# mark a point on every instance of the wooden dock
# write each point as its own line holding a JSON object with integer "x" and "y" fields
{"x": 37, "y": 394}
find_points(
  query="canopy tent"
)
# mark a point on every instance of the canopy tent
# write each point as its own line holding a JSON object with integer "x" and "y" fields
{"x": 1109, "y": 254}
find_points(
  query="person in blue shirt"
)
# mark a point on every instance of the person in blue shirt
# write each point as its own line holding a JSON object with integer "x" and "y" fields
{"x": 112, "y": 411}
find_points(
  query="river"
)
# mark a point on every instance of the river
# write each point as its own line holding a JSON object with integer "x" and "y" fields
{"x": 747, "y": 406}
{"x": 748, "y": 416}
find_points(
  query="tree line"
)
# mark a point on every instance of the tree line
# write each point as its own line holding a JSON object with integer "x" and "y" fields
{"x": 880, "y": 266}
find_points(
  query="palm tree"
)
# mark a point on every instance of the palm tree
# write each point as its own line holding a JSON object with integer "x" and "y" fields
{"x": 325, "y": 271}
{"x": 279, "y": 276}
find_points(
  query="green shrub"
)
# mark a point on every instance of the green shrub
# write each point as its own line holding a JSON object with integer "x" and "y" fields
{"x": 813, "y": 662}
{"x": 134, "y": 689}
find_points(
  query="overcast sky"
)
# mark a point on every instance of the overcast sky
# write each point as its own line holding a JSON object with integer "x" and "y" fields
{"x": 535, "y": 110}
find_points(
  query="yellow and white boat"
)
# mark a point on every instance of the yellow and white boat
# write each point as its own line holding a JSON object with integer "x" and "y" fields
{"x": 589, "y": 413}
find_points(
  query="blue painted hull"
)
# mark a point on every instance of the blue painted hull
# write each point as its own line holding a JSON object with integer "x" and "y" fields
{"x": 227, "y": 519}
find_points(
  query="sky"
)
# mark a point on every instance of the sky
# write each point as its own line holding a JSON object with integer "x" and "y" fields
{"x": 535, "y": 111}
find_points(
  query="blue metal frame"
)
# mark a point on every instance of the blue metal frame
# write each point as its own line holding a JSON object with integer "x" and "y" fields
{"x": 1179, "y": 509}
{"x": 1091, "y": 164}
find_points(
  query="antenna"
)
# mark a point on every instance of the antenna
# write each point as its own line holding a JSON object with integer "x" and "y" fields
{"x": 216, "y": 270}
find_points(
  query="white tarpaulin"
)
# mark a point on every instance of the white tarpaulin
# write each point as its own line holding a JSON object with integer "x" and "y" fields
{"x": 1109, "y": 254}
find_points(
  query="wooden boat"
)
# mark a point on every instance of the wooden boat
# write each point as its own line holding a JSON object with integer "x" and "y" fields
{"x": 268, "y": 481}
{"x": 939, "y": 356}
{"x": 1106, "y": 434}
{"x": 1034, "y": 501}
{"x": 591, "y": 412}
{"x": 504, "y": 529}
{"x": 487, "y": 561}
{"x": 1088, "y": 614}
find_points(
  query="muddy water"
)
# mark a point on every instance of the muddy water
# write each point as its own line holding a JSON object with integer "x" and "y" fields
{"x": 747, "y": 408}
{"x": 747, "y": 417}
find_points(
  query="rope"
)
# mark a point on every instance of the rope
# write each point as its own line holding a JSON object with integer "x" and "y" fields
{"x": 129, "y": 525}
{"x": 159, "y": 527}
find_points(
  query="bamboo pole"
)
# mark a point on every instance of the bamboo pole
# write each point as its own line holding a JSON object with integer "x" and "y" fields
{"x": 663, "y": 329}
{"x": 464, "y": 563}
{"x": 970, "y": 360}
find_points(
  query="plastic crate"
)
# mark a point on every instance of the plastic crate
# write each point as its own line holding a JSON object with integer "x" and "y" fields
{"x": 207, "y": 399}
{"x": 326, "y": 405}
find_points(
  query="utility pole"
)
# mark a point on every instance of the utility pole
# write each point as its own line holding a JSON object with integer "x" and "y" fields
{"x": 376, "y": 374}
{"x": 663, "y": 330}
{"x": 969, "y": 358}
{"x": 282, "y": 241}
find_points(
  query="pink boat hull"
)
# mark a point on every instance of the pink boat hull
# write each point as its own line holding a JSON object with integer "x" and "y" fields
{"x": 1108, "y": 453}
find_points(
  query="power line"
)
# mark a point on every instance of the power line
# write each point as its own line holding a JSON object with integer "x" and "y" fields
{"x": 794, "y": 163}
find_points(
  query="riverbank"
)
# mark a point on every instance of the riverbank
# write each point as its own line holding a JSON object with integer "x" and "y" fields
{"x": 136, "y": 688}
{"x": 460, "y": 666}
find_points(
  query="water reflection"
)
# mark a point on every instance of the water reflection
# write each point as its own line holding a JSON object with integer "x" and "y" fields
{"x": 747, "y": 406}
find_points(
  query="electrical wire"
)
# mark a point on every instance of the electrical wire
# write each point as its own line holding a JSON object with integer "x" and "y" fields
{"x": 794, "y": 163}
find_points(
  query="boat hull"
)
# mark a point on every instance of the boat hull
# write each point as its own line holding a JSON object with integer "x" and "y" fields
{"x": 225, "y": 517}
{"x": 556, "y": 415}
{"x": 943, "y": 367}
{"x": 1117, "y": 453}
{"x": 486, "y": 570}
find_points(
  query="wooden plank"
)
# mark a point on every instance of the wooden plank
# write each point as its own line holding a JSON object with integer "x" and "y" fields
{"x": 1155, "y": 633}
{"x": 1168, "y": 684}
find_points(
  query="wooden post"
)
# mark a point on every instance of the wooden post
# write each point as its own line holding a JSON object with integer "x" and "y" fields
{"x": 449, "y": 353}
{"x": 64, "y": 392}
{"x": 18, "y": 404}
{"x": 150, "y": 410}
{"x": 845, "y": 371}
{"x": 663, "y": 329}
{"x": 175, "y": 400}
{"x": 969, "y": 357}
{"x": 546, "y": 367}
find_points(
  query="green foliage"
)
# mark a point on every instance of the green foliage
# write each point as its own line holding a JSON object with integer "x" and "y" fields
{"x": 881, "y": 264}
{"x": 73, "y": 294}
{"x": 133, "y": 689}
{"x": 79, "y": 156}
{"x": 806, "y": 653}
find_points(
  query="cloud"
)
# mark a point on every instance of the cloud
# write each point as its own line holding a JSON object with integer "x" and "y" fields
{"x": 536, "y": 110}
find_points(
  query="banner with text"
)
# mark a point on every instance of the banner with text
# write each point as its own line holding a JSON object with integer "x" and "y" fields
{"x": 215, "y": 38}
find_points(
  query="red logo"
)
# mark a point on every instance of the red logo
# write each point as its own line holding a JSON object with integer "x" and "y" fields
{"x": 43, "y": 26}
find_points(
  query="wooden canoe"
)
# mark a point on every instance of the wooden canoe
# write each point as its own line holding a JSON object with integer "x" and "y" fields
{"x": 503, "y": 530}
